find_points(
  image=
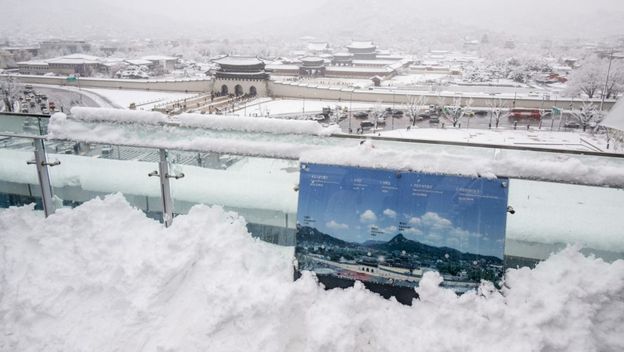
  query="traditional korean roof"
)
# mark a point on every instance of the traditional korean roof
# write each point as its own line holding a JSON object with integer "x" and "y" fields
{"x": 238, "y": 61}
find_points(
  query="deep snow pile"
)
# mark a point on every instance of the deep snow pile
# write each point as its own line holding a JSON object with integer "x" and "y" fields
{"x": 103, "y": 277}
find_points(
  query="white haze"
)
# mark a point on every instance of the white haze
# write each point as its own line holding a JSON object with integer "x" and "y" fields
{"x": 326, "y": 19}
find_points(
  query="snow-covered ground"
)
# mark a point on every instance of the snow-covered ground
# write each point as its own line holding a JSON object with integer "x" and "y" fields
{"x": 104, "y": 277}
{"x": 144, "y": 100}
{"x": 294, "y": 106}
{"x": 522, "y": 137}
{"x": 416, "y": 78}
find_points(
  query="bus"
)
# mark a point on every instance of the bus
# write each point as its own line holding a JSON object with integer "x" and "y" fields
{"x": 526, "y": 113}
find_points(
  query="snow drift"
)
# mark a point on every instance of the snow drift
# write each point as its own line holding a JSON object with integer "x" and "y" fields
{"x": 103, "y": 277}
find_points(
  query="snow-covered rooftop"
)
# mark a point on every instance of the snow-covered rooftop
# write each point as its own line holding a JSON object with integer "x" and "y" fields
{"x": 159, "y": 58}
{"x": 138, "y": 62}
{"x": 362, "y": 45}
{"x": 318, "y": 46}
{"x": 238, "y": 61}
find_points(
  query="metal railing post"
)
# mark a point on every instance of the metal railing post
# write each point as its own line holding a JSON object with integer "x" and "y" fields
{"x": 44, "y": 177}
{"x": 165, "y": 188}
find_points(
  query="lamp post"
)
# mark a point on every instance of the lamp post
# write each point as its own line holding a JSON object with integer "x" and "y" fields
{"x": 392, "y": 112}
{"x": 351, "y": 109}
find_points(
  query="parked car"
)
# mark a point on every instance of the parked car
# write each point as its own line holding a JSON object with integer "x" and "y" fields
{"x": 361, "y": 115}
{"x": 434, "y": 119}
{"x": 366, "y": 124}
{"x": 572, "y": 124}
{"x": 397, "y": 113}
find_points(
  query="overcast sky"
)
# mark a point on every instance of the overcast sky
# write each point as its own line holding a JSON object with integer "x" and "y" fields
{"x": 569, "y": 18}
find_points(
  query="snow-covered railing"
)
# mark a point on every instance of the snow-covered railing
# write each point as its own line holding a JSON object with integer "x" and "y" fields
{"x": 213, "y": 122}
{"x": 310, "y": 142}
{"x": 245, "y": 186}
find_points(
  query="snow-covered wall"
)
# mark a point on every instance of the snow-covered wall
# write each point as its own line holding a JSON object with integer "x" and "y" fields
{"x": 311, "y": 91}
{"x": 178, "y": 85}
{"x": 103, "y": 277}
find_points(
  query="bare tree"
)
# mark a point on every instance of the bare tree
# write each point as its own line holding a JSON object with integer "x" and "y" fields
{"x": 498, "y": 110}
{"x": 587, "y": 114}
{"x": 414, "y": 104}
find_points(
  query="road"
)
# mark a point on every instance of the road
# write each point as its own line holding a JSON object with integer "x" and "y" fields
{"x": 63, "y": 98}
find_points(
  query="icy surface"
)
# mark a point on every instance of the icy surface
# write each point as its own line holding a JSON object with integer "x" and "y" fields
{"x": 103, "y": 277}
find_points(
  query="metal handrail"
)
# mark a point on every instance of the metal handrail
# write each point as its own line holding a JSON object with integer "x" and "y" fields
{"x": 481, "y": 145}
{"x": 25, "y": 114}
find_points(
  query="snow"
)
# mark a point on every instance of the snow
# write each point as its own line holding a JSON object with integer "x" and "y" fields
{"x": 314, "y": 147}
{"x": 103, "y": 277}
{"x": 144, "y": 100}
{"x": 535, "y": 138}
{"x": 114, "y": 115}
{"x": 294, "y": 106}
{"x": 478, "y": 162}
{"x": 206, "y": 121}
{"x": 238, "y": 61}
{"x": 255, "y": 124}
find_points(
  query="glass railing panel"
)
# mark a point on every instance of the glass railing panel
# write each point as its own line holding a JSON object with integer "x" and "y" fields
{"x": 548, "y": 216}
{"x": 19, "y": 183}
{"x": 23, "y": 124}
{"x": 262, "y": 190}
{"x": 91, "y": 170}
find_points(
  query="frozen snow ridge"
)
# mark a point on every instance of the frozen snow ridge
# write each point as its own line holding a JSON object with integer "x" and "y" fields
{"x": 104, "y": 277}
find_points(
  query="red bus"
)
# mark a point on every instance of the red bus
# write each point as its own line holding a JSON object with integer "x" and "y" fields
{"x": 525, "y": 113}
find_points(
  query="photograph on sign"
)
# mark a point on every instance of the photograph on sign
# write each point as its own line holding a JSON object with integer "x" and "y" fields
{"x": 389, "y": 228}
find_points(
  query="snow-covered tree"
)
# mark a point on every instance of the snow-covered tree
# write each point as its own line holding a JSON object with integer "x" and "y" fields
{"x": 413, "y": 106}
{"x": 498, "y": 110}
{"x": 615, "y": 82}
{"x": 455, "y": 112}
{"x": 590, "y": 78}
{"x": 588, "y": 115}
